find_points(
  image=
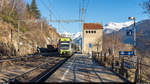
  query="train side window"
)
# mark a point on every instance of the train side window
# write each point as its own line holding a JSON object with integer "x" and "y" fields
{"x": 89, "y": 31}
{"x": 94, "y": 31}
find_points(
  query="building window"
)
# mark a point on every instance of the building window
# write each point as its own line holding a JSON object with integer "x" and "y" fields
{"x": 91, "y": 31}
{"x": 86, "y": 31}
{"x": 94, "y": 31}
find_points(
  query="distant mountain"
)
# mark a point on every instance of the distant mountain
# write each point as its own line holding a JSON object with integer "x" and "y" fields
{"x": 143, "y": 33}
{"x": 142, "y": 30}
{"x": 113, "y": 26}
{"x": 78, "y": 38}
{"x": 67, "y": 34}
{"x": 108, "y": 28}
{"x": 75, "y": 37}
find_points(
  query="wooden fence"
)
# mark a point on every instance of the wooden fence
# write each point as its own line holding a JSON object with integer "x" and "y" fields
{"x": 116, "y": 64}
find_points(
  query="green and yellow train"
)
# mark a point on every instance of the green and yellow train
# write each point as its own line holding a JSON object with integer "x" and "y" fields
{"x": 65, "y": 46}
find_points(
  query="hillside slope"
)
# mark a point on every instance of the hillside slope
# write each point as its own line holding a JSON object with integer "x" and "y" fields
{"x": 143, "y": 35}
{"x": 29, "y": 40}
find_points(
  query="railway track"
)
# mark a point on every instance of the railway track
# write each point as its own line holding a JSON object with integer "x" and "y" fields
{"x": 16, "y": 58}
{"x": 19, "y": 57}
{"x": 43, "y": 76}
{"x": 47, "y": 69}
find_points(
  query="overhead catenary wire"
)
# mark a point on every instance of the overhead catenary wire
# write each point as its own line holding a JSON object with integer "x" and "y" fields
{"x": 86, "y": 7}
{"x": 85, "y": 4}
{"x": 66, "y": 21}
{"x": 48, "y": 8}
{"x": 80, "y": 4}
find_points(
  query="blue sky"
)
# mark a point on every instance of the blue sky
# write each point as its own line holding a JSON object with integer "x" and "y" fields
{"x": 103, "y": 11}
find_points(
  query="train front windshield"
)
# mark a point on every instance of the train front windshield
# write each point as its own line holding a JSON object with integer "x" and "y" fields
{"x": 64, "y": 46}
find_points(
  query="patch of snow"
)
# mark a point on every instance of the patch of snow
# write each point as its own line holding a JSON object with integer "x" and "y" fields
{"x": 67, "y": 34}
{"x": 117, "y": 26}
{"x": 77, "y": 35}
{"x": 71, "y": 35}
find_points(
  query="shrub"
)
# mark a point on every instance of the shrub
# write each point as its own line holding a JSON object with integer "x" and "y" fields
{"x": 23, "y": 29}
{"x": 14, "y": 22}
{"x": 9, "y": 19}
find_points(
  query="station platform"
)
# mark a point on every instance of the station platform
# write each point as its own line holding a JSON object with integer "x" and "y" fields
{"x": 81, "y": 68}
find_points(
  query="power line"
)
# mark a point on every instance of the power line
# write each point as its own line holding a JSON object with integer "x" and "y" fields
{"x": 86, "y": 8}
{"x": 43, "y": 3}
{"x": 80, "y": 5}
{"x": 50, "y": 10}
{"x": 80, "y": 9}
{"x": 66, "y": 21}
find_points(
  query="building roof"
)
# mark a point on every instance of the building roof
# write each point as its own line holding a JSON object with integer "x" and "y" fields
{"x": 92, "y": 26}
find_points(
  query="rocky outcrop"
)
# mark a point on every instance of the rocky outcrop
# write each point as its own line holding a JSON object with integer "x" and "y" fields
{"x": 29, "y": 40}
{"x": 7, "y": 44}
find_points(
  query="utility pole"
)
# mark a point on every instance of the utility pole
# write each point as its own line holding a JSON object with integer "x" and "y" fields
{"x": 134, "y": 49}
{"x": 82, "y": 17}
{"x": 18, "y": 37}
{"x": 41, "y": 30}
{"x": 137, "y": 65}
{"x": 11, "y": 31}
{"x": 41, "y": 27}
{"x": 113, "y": 52}
{"x": 113, "y": 42}
{"x": 134, "y": 38}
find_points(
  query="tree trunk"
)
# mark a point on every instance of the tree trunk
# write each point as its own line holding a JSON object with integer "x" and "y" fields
{"x": 14, "y": 3}
{"x": 2, "y": 2}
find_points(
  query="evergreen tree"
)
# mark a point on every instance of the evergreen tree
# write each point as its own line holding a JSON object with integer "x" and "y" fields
{"x": 146, "y": 7}
{"x": 27, "y": 12}
{"x": 28, "y": 8}
{"x": 34, "y": 9}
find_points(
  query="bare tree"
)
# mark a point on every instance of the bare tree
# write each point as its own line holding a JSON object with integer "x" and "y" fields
{"x": 146, "y": 7}
{"x": 98, "y": 44}
{"x": 13, "y": 6}
{"x": 2, "y": 2}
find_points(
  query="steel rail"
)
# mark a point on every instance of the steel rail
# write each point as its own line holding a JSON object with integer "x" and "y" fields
{"x": 22, "y": 75}
{"x": 49, "y": 71}
{"x": 12, "y": 59}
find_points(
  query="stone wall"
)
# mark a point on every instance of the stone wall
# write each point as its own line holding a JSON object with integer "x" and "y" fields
{"x": 94, "y": 38}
